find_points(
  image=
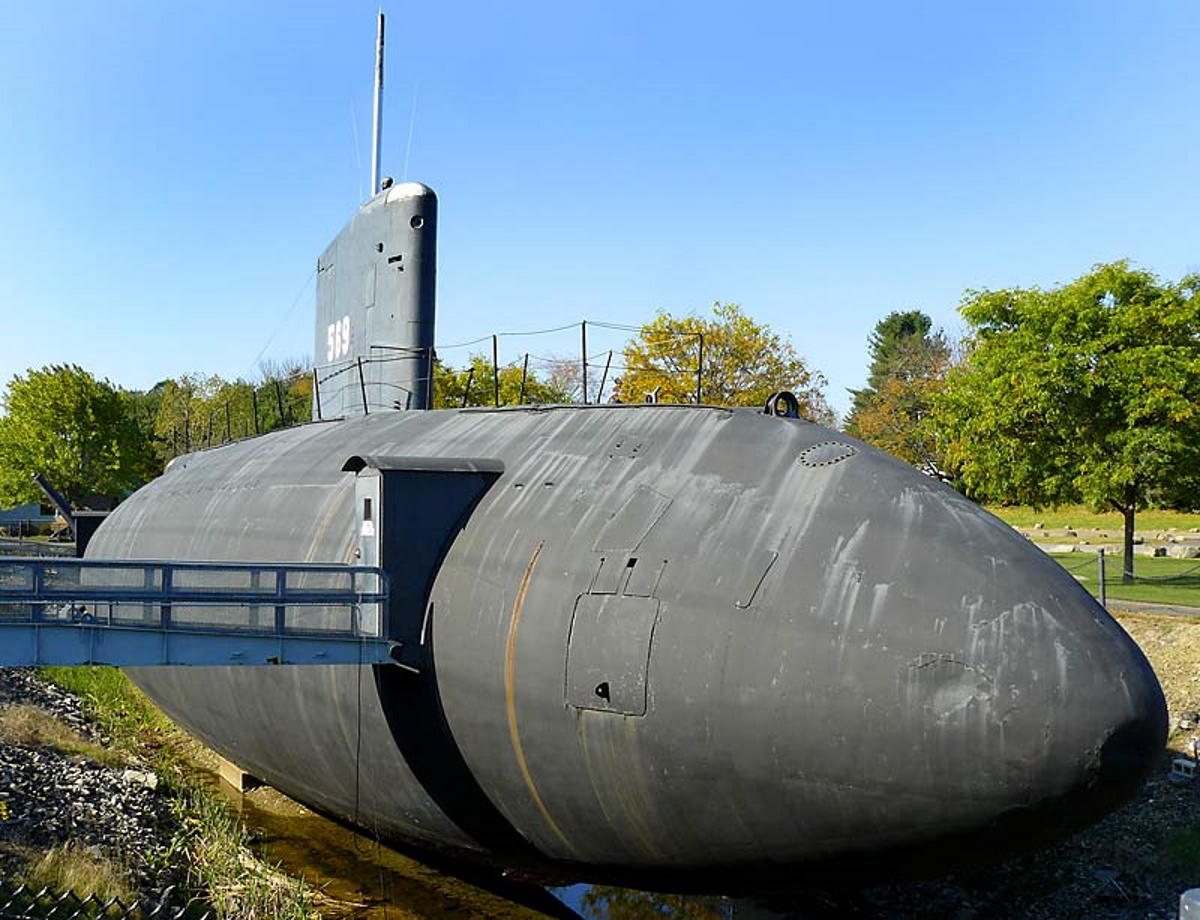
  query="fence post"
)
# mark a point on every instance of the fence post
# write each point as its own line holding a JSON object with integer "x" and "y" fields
{"x": 467, "y": 388}
{"x": 604, "y": 378}
{"x": 495, "y": 372}
{"x": 1103, "y": 594}
{"x": 279, "y": 402}
{"x": 583, "y": 358}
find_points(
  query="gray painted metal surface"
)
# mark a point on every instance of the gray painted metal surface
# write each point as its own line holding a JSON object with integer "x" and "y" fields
{"x": 73, "y": 612}
{"x": 755, "y": 648}
{"x": 376, "y": 287}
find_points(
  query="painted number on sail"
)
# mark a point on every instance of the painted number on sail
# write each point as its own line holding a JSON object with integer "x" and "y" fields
{"x": 338, "y": 337}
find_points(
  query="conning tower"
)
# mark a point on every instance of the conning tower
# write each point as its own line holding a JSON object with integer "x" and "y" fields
{"x": 376, "y": 303}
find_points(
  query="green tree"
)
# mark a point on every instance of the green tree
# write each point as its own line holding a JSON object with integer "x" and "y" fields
{"x": 1089, "y": 391}
{"x": 476, "y": 383}
{"x": 908, "y": 370}
{"x": 744, "y": 362}
{"x": 195, "y": 411}
{"x": 143, "y": 408}
{"x": 186, "y": 412}
{"x": 79, "y": 432}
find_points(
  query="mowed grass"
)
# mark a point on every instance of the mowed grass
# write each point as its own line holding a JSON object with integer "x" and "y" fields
{"x": 1159, "y": 580}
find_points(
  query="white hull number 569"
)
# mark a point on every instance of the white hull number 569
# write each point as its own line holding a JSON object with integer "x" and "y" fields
{"x": 338, "y": 335}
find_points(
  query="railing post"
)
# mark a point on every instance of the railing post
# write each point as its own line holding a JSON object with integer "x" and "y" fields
{"x": 1103, "y": 592}
{"x": 362, "y": 385}
{"x": 168, "y": 586}
{"x": 280, "y": 595}
{"x": 148, "y": 584}
{"x": 255, "y": 585}
{"x": 39, "y": 582}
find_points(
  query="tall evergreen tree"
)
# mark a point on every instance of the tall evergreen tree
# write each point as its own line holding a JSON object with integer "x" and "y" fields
{"x": 908, "y": 368}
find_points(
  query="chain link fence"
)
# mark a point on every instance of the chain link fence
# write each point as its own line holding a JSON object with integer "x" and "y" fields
{"x": 22, "y": 902}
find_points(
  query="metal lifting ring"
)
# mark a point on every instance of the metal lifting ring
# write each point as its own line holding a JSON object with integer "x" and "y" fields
{"x": 782, "y": 404}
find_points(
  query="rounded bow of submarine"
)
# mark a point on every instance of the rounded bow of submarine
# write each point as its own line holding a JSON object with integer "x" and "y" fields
{"x": 998, "y": 702}
{"x": 903, "y": 680}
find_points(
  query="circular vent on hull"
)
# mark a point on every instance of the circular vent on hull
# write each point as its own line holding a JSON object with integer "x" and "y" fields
{"x": 827, "y": 453}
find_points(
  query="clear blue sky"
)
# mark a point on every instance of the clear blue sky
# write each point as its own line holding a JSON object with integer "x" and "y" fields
{"x": 169, "y": 172}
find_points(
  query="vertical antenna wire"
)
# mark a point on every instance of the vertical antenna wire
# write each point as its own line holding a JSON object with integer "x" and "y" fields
{"x": 357, "y": 151}
{"x": 412, "y": 121}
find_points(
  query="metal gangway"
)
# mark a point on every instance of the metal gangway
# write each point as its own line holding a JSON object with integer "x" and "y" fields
{"x": 56, "y": 611}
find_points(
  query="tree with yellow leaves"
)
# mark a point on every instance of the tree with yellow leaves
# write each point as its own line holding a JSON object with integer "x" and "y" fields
{"x": 726, "y": 360}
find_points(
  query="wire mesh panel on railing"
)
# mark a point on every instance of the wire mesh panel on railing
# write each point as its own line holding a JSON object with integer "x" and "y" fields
{"x": 24, "y": 902}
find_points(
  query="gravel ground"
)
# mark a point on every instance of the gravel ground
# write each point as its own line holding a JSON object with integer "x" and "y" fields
{"x": 54, "y": 798}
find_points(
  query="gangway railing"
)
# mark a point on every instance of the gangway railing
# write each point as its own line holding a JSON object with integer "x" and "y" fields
{"x": 57, "y": 611}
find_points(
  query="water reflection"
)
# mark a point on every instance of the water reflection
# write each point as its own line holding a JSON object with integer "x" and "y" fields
{"x": 356, "y": 876}
{"x": 604, "y": 902}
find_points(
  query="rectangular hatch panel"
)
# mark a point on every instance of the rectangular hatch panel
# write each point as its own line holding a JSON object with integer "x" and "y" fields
{"x": 608, "y": 655}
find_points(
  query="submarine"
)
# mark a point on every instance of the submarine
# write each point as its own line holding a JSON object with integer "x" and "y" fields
{"x": 675, "y": 647}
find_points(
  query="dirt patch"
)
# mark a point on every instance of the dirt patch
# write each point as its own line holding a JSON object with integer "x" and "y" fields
{"x": 1172, "y": 643}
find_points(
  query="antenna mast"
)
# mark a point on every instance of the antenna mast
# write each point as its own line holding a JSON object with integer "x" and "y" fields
{"x": 377, "y": 130}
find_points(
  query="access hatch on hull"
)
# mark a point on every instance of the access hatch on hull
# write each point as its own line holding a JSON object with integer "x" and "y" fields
{"x": 409, "y": 510}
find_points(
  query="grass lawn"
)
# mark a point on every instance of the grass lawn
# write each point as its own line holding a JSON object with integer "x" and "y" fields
{"x": 1160, "y": 580}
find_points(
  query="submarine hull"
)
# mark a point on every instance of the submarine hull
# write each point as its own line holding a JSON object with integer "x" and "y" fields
{"x": 676, "y": 647}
